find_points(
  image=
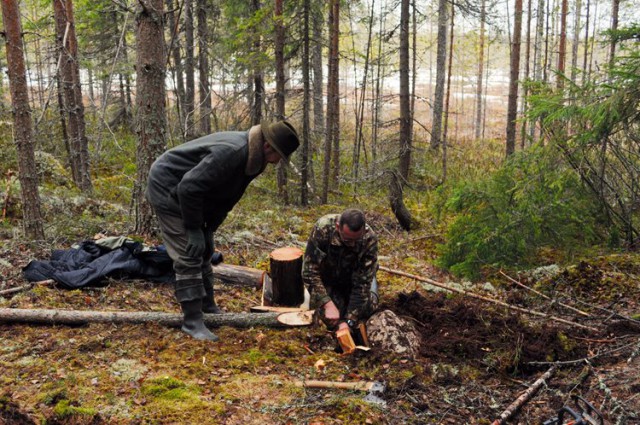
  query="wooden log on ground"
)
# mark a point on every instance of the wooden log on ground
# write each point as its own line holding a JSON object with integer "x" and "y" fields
{"x": 81, "y": 317}
{"x": 513, "y": 408}
{"x": 286, "y": 276}
{"x": 239, "y": 275}
{"x": 486, "y": 299}
{"x": 26, "y": 287}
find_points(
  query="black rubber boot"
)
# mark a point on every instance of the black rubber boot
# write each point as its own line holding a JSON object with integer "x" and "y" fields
{"x": 193, "y": 322}
{"x": 209, "y": 305}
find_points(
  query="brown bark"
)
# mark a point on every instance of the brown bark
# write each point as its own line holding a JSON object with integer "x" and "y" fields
{"x": 279, "y": 39}
{"x": 177, "y": 69}
{"x": 150, "y": 101}
{"x": 258, "y": 78}
{"x": 441, "y": 61}
{"x": 203, "y": 68}
{"x": 80, "y": 317}
{"x": 562, "y": 49}
{"x": 334, "y": 96}
{"x": 241, "y": 275}
{"x": 405, "y": 101}
{"x": 72, "y": 94}
{"x": 286, "y": 276}
{"x": 22, "y": 129}
{"x": 397, "y": 202}
{"x": 189, "y": 70}
{"x": 514, "y": 70}
{"x": 306, "y": 102}
{"x": 480, "y": 75}
{"x": 615, "y": 10}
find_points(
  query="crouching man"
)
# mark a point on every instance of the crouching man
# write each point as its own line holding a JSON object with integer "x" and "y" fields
{"x": 339, "y": 271}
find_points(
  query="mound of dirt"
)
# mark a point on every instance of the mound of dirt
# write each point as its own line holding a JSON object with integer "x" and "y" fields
{"x": 459, "y": 330}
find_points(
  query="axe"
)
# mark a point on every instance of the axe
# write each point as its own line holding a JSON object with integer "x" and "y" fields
{"x": 374, "y": 389}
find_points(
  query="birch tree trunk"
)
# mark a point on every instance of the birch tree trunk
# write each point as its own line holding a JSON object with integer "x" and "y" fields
{"x": 22, "y": 125}
{"x": 514, "y": 70}
{"x": 150, "y": 102}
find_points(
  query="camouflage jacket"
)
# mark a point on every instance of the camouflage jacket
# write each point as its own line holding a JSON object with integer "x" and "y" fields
{"x": 332, "y": 270}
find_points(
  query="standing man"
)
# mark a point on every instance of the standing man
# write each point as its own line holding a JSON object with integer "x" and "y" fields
{"x": 339, "y": 270}
{"x": 192, "y": 188}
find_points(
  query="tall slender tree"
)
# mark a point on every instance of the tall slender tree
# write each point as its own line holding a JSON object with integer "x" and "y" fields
{"x": 22, "y": 126}
{"x": 514, "y": 71}
{"x": 441, "y": 63}
{"x": 317, "y": 24}
{"x": 72, "y": 93}
{"x": 615, "y": 11}
{"x": 562, "y": 49}
{"x": 405, "y": 101}
{"x": 150, "y": 102}
{"x": 332, "y": 146}
{"x": 480, "y": 74}
{"x": 279, "y": 42}
{"x": 189, "y": 70}
{"x": 304, "y": 179}
{"x": 177, "y": 70}
{"x": 258, "y": 77}
{"x": 203, "y": 67}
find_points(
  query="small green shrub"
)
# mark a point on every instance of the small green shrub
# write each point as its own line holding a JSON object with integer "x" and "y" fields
{"x": 530, "y": 203}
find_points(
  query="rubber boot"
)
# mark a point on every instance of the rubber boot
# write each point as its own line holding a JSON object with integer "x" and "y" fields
{"x": 209, "y": 305}
{"x": 193, "y": 322}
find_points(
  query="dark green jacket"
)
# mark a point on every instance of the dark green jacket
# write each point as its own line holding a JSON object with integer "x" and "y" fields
{"x": 201, "y": 180}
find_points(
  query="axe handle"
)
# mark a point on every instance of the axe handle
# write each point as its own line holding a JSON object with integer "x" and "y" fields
{"x": 360, "y": 385}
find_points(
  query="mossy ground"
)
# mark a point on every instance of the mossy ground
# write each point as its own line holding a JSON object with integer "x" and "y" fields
{"x": 475, "y": 359}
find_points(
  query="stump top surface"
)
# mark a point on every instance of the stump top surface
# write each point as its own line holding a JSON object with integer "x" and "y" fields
{"x": 286, "y": 253}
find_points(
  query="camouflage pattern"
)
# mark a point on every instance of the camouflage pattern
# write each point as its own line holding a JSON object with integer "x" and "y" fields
{"x": 334, "y": 271}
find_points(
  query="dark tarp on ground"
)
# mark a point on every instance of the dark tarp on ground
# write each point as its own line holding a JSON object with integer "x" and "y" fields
{"x": 90, "y": 264}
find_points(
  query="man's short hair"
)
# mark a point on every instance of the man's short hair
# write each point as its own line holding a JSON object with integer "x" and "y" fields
{"x": 353, "y": 219}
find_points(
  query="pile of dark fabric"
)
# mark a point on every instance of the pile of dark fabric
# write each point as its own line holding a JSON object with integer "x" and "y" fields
{"x": 91, "y": 262}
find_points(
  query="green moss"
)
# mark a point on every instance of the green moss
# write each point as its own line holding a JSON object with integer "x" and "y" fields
{"x": 64, "y": 409}
{"x": 565, "y": 342}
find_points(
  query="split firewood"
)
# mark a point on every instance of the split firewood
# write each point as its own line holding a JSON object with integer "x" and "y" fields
{"x": 540, "y": 294}
{"x": 81, "y": 317}
{"x": 524, "y": 397}
{"x": 487, "y": 299}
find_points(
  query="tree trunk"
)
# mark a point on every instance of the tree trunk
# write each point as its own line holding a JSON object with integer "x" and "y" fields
{"x": 81, "y": 317}
{"x": 304, "y": 178}
{"x": 150, "y": 102}
{"x": 22, "y": 126}
{"x": 176, "y": 70}
{"x": 514, "y": 69}
{"x": 72, "y": 93}
{"x": 335, "y": 119}
{"x": 576, "y": 40}
{"x": 258, "y": 78}
{"x": 397, "y": 202}
{"x": 405, "y": 101}
{"x": 333, "y": 98}
{"x": 586, "y": 42}
{"x": 230, "y": 274}
{"x": 480, "y": 75}
{"x": 441, "y": 63}
{"x": 286, "y": 278}
{"x": 317, "y": 24}
{"x": 189, "y": 70}
{"x": 615, "y": 8}
{"x": 562, "y": 49}
{"x": 527, "y": 63}
{"x": 203, "y": 68}
{"x": 445, "y": 127}
{"x": 279, "y": 40}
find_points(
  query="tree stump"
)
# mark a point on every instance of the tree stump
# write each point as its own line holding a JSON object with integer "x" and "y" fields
{"x": 286, "y": 276}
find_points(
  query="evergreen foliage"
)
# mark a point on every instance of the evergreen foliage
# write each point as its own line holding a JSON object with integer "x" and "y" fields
{"x": 532, "y": 201}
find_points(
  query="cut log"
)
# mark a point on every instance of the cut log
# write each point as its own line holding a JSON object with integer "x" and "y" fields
{"x": 357, "y": 386}
{"x": 81, "y": 317}
{"x": 286, "y": 276}
{"x": 239, "y": 275}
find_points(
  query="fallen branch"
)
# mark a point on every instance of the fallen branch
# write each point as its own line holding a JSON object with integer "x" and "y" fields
{"x": 487, "y": 299}
{"x": 586, "y": 360}
{"x": 546, "y": 297}
{"x": 524, "y": 398}
{"x": 81, "y": 317}
{"x": 26, "y": 287}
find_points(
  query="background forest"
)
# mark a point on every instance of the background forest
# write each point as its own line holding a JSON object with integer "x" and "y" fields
{"x": 479, "y": 136}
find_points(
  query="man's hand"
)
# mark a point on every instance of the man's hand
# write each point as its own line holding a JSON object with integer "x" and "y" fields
{"x": 196, "y": 244}
{"x": 343, "y": 325}
{"x": 331, "y": 314}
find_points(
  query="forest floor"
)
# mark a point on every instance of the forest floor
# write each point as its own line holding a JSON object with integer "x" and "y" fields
{"x": 475, "y": 358}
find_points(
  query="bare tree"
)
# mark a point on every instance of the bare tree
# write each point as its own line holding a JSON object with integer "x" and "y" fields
{"x": 441, "y": 63}
{"x": 333, "y": 102}
{"x": 23, "y": 130}
{"x": 514, "y": 70}
{"x": 615, "y": 10}
{"x": 177, "y": 68}
{"x": 258, "y": 78}
{"x": 69, "y": 70}
{"x": 150, "y": 102}
{"x": 562, "y": 49}
{"x": 203, "y": 67}
{"x": 279, "y": 40}
{"x": 480, "y": 75}
{"x": 405, "y": 101}
{"x": 304, "y": 180}
{"x": 189, "y": 70}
